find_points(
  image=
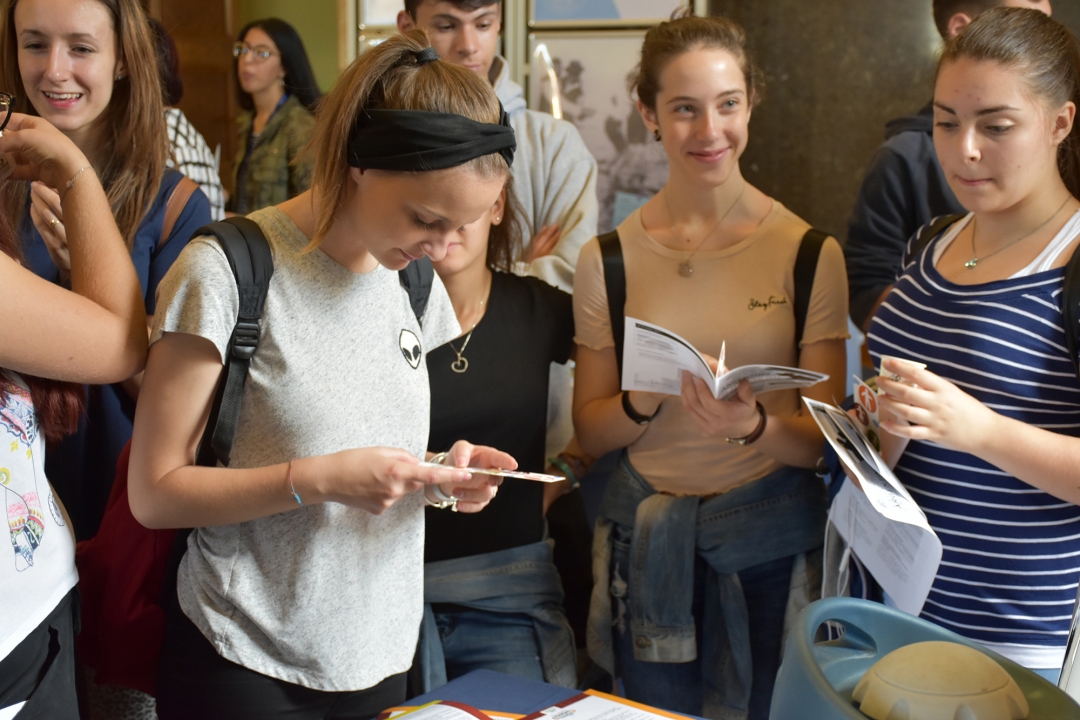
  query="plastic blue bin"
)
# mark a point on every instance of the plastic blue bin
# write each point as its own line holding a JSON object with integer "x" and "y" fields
{"x": 816, "y": 679}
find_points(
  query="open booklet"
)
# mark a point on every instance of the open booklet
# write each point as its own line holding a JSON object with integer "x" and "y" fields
{"x": 654, "y": 359}
{"x": 884, "y": 526}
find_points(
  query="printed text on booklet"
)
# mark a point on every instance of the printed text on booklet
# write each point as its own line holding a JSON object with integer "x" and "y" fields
{"x": 654, "y": 360}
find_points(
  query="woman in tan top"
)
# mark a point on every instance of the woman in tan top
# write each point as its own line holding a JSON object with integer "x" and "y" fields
{"x": 709, "y": 516}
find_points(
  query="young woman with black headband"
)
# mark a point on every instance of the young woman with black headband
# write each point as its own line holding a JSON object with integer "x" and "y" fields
{"x": 301, "y": 591}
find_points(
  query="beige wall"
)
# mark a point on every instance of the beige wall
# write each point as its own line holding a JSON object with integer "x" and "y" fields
{"x": 315, "y": 20}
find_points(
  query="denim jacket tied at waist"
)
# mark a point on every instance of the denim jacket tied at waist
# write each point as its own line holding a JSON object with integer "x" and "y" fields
{"x": 779, "y": 515}
{"x": 516, "y": 580}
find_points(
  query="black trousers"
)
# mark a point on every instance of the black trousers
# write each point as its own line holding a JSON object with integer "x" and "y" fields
{"x": 41, "y": 668}
{"x": 195, "y": 683}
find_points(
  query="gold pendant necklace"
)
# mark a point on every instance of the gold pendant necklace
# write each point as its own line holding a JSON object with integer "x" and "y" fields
{"x": 462, "y": 363}
{"x": 970, "y": 264}
{"x": 686, "y": 267}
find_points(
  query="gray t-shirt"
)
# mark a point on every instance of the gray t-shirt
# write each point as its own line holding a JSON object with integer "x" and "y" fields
{"x": 325, "y": 596}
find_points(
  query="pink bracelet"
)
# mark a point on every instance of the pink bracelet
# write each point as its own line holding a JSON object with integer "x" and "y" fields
{"x": 292, "y": 487}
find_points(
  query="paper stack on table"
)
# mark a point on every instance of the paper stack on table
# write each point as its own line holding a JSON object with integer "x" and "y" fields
{"x": 595, "y": 705}
{"x": 654, "y": 359}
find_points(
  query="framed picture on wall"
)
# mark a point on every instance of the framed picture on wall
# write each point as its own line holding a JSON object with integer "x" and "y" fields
{"x": 380, "y": 12}
{"x": 578, "y": 13}
{"x": 581, "y": 77}
{"x": 370, "y": 36}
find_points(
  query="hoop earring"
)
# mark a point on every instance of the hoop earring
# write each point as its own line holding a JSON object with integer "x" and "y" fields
{"x": 656, "y": 134}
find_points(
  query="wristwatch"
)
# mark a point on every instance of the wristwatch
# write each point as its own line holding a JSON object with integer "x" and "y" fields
{"x": 634, "y": 414}
{"x": 758, "y": 431}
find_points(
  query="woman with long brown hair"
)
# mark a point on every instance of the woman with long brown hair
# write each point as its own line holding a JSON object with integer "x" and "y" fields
{"x": 90, "y": 68}
{"x": 52, "y": 338}
{"x": 300, "y": 593}
{"x": 986, "y": 433}
{"x": 713, "y": 508}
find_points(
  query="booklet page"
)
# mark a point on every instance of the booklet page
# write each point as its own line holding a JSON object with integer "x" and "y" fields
{"x": 654, "y": 360}
{"x": 884, "y": 526}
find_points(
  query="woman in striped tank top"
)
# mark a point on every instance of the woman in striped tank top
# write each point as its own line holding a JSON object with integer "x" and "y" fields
{"x": 987, "y": 437}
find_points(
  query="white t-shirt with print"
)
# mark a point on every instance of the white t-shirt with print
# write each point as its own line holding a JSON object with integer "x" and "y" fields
{"x": 325, "y": 596}
{"x": 37, "y": 565}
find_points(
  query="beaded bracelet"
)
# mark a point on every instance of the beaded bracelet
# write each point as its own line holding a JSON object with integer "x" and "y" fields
{"x": 292, "y": 488}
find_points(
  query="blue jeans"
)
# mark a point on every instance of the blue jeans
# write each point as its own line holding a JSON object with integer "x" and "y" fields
{"x": 475, "y": 640}
{"x": 679, "y": 687}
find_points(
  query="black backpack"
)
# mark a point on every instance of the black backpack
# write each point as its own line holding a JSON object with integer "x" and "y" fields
{"x": 615, "y": 281}
{"x": 1070, "y": 293}
{"x": 249, "y": 256}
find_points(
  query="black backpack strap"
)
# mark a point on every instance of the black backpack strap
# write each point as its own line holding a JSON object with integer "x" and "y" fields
{"x": 1070, "y": 308}
{"x": 806, "y": 262}
{"x": 930, "y": 231}
{"x": 252, "y": 264}
{"x": 615, "y": 282}
{"x": 417, "y": 278}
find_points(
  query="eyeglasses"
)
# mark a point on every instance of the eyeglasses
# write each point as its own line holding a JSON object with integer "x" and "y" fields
{"x": 7, "y": 104}
{"x": 259, "y": 52}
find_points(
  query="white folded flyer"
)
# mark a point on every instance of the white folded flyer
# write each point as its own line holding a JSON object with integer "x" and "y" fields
{"x": 884, "y": 526}
{"x": 654, "y": 360}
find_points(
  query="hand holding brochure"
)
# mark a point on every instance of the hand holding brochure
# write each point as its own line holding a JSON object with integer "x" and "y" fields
{"x": 654, "y": 359}
{"x": 884, "y": 526}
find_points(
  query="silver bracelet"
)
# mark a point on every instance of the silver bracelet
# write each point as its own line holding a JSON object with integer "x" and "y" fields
{"x": 442, "y": 500}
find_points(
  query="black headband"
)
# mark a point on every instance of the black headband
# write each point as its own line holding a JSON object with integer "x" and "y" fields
{"x": 414, "y": 140}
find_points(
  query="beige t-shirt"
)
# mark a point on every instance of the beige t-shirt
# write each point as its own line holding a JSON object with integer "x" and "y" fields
{"x": 741, "y": 294}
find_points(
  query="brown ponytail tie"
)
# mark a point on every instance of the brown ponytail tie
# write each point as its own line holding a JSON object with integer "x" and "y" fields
{"x": 426, "y": 55}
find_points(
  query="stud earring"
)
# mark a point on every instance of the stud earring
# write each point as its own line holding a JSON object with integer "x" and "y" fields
{"x": 656, "y": 134}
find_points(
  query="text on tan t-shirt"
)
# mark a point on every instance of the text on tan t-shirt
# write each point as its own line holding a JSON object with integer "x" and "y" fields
{"x": 741, "y": 294}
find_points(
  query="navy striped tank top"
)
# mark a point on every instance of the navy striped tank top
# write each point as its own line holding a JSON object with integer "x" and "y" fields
{"x": 1008, "y": 576}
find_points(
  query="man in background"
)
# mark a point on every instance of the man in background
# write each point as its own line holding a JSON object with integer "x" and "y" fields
{"x": 554, "y": 173}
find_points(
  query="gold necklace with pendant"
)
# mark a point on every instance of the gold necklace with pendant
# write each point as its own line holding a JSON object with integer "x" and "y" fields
{"x": 686, "y": 267}
{"x": 462, "y": 363}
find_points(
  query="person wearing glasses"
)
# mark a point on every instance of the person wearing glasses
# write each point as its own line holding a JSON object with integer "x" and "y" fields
{"x": 93, "y": 333}
{"x": 277, "y": 89}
